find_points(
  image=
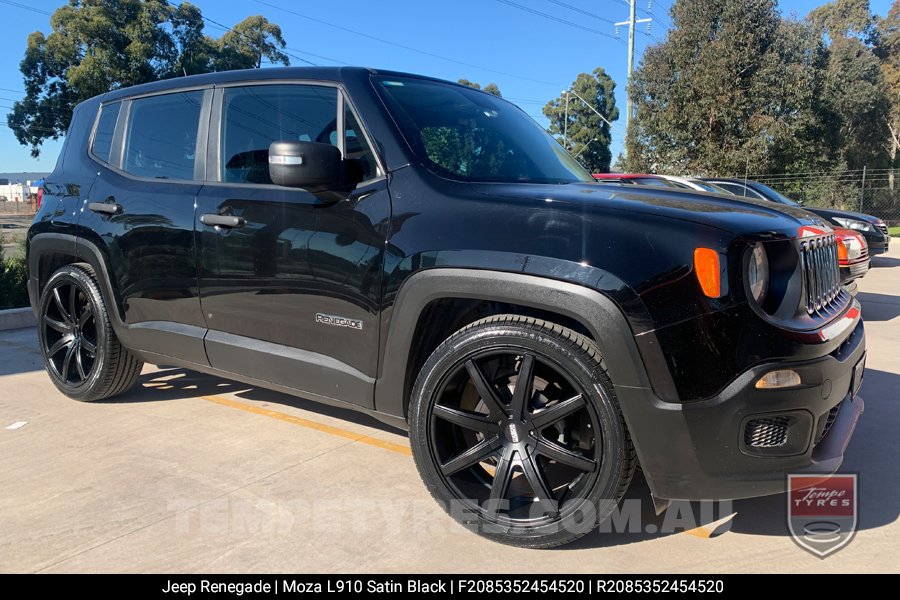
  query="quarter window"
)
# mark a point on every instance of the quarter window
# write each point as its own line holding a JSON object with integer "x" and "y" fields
{"x": 106, "y": 128}
{"x": 161, "y": 141}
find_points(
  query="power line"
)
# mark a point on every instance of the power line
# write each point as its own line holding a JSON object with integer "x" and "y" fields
{"x": 398, "y": 45}
{"x": 13, "y": 91}
{"x": 581, "y": 11}
{"x": 556, "y": 19}
{"x": 26, "y": 7}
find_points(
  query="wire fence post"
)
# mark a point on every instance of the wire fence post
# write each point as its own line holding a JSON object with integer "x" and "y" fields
{"x": 862, "y": 189}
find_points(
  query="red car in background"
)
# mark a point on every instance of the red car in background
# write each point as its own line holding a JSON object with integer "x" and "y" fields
{"x": 853, "y": 256}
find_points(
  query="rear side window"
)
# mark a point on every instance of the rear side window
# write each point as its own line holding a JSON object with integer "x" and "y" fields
{"x": 106, "y": 128}
{"x": 161, "y": 141}
{"x": 255, "y": 116}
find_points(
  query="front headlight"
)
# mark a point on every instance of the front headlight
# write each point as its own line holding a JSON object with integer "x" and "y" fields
{"x": 758, "y": 274}
{"x": 855, "y": 224}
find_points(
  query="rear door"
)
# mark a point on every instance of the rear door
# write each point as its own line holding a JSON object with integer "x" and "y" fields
{"x": 140, "y": 215}
{"x": 290, "y": 281}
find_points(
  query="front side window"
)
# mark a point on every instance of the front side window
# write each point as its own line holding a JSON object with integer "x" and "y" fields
{"x": 464, "y": 134}
{"x": 255, "y": 116}
{"x": 161, "y": 141}
{"x": 106, "y": 129}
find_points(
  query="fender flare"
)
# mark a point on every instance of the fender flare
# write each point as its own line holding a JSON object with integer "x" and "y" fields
{"x": 597, "y": 312}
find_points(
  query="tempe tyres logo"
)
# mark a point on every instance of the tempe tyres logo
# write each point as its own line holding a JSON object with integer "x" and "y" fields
{"x": 822, "y": 512}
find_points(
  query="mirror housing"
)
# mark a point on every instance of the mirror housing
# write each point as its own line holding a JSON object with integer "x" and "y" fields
{"x": 309, "y": 165}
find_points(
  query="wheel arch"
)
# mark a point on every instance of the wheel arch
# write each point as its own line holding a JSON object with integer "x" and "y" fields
{"x": 581, "y": 308}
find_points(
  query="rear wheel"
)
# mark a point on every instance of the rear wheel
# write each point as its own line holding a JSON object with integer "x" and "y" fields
{"x": 516, "y": 431}
{"x": 81, "y": 352}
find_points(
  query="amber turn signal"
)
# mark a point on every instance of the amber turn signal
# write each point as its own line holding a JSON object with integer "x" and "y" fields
{"x": 842, "y": 251}
{"x": 706, "y": 266}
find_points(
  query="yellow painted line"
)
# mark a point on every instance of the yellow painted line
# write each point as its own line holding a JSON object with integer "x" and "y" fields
{"x": 321, "y": 427}
{"x": 707, "y": 531}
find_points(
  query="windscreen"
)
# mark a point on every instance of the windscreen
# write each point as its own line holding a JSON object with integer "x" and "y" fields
{"x": 468, "y": 135}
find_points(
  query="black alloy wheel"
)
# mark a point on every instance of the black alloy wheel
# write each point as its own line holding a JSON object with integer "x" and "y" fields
{"x": 514, "y": 422}
{"x": 69, "y": 337}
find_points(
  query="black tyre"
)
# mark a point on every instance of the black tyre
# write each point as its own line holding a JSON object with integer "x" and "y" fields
{"x": 516, "y": 431}
{"x": 81, "y": 352}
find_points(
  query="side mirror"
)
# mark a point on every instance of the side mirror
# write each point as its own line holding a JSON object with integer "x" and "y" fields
{"x": 309, "y": 165}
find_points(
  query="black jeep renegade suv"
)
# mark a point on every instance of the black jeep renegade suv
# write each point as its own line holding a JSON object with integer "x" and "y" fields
{"x": 425, "y": 252}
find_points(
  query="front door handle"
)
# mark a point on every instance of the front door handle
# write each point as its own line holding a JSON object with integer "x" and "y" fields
{"x": 107, "y": 208}
{"x": 228, "y": 221}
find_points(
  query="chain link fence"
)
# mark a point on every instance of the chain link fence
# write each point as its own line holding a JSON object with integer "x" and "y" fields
{"x": 870, "y": 191}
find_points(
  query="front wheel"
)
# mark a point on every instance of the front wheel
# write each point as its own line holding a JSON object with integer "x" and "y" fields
{"x": 516, "y": 431}
{"x": 81, "y": 352}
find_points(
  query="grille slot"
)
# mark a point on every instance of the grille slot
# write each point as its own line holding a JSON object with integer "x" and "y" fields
{"x": 883, "y": 229}
{"x": 821, "y": 273}
{"x": 766, "y": 433}
{"x": 829, "y": 421}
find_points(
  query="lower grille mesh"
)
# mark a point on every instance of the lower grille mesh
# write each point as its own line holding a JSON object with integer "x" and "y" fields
{"x": 766, "y": 433}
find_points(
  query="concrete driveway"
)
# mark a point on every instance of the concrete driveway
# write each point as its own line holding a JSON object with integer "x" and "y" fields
{"x": 189, "y": 473}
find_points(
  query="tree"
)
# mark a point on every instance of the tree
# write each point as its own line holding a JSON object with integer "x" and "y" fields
{"x": 580, "y": 129}
{"x": 733, "y": 89}
{"x": 888, "y": 52}
{"x": 98, "y": 46}
{"x": 248, "y": 43}
{"x": 490, "y": 88}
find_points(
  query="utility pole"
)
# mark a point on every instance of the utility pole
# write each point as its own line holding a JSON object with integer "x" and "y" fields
{"x": 631, "y": 22}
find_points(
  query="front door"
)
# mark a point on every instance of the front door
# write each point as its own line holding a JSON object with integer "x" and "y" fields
{"x": 290, "y": 281}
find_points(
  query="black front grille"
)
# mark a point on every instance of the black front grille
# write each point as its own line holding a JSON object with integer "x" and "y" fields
{"x": 821, "y": 273}
{"x": 882, "y": 228}
{"x": 766, "y": 433}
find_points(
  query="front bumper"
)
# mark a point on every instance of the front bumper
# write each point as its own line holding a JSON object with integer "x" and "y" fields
{"x": 704, "y": 450}
{"x": 854, "y": 270}
{"x": 878, "y": 246}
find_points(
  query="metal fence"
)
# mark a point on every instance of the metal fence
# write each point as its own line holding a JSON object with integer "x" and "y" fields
{"x": 871, "y": 191}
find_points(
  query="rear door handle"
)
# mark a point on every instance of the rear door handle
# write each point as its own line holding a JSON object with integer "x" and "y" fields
{"x": 107, "y": 208}
{"x": 228, "y": 221}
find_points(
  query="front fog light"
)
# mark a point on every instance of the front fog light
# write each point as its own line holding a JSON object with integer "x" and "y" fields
{"x": 784, "y": 378}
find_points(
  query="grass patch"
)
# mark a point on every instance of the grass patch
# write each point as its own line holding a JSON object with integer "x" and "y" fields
{"x": 894, "y": 231}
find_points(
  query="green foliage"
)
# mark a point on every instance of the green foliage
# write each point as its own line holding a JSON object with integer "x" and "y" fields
{"x": 490, "y": 88}
{"x": 13, "y": 283}
{"x": 888, "y": 52}
{"x": 736, "y": 89}
{"x": 103, "y": 45}
{"x": 586, "y": 135}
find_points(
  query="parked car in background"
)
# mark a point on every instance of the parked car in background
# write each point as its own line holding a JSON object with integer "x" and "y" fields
{"x": 853, "y": 256}
{"x": 697, "y": 185}
{"x": 635, "y": 179}
{"x": 872, "y": 228}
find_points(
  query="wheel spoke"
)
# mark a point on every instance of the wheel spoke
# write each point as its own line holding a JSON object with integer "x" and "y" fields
{"x": 73, "y": 294}
{"x": 59, "y": 306}
{"x": 85, "y": 316}
{"x": 554, "y": 451}
{"x": 67, "y": 362}
{"x": 471, "y": 457}
{"x": 500, "y": 485}
{"x": 522, "y": 395}
{"x": 56, "y": 325}
{"x": 485, "y": 389}
{"x": 61, "y": 343}
{"x": 88, "y": 345}
{"x": 468, "y": 420}
{"x": 539, "y": 484}
{"x": 557, "y": 412}
{"x": 79, "y": 365}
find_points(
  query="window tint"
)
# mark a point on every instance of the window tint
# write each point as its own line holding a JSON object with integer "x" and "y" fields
{"x": 162, "y": 136}
{"x": 358, "y": 150}
{"x": 106, "y": 127}
{"x": 254, "y": 117}
{"x": 735, "y": 189}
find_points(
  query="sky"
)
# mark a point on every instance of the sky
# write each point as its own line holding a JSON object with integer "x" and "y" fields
{"x": 532, "y": 53}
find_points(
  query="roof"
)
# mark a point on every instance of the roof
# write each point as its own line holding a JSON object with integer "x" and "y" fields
{"x": 253, "y": 75}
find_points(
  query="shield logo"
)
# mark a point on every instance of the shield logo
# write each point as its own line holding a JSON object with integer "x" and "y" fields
{"x": 822, "y": 511}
